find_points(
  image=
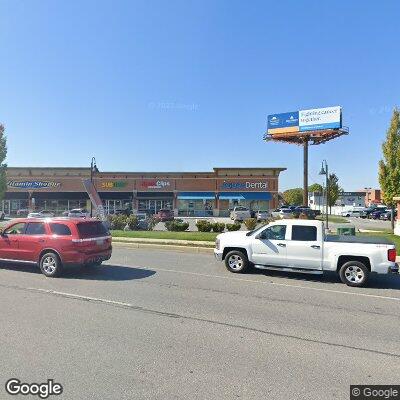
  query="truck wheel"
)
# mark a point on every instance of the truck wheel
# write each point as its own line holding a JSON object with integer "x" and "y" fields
{"x": 237, "y": 262}
{"x": 354, "y": 273}
{"x": 50, "y": 265}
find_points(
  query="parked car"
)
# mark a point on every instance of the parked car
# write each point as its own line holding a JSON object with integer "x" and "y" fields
{"x": 377, "y": 214}
{"x": 285, "y": 213}
{"x": 387, "y": 215}
{"x": 142, "y": 221}
{"x": 165, "y": 214}
{"x": 22, "y": 212}
{"x": 56, "y": 243}
{"x": 262, "y": 215}
{"x": 41, "y": 214}
{"x": 123, "y": 211}
{"x": 301, "y": 246}
{"x": 78, "y": 213}
{"x": 367, "y": 212}
{"x": 351, "y": 213}
{"x": 240, "y": 213}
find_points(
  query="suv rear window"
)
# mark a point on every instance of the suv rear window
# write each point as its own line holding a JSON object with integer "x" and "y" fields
{"x": 92, "y": 229}
{"x": 60, "y": 229}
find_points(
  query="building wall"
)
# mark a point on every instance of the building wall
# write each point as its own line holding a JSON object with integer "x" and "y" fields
{"x": 34, "y": 186}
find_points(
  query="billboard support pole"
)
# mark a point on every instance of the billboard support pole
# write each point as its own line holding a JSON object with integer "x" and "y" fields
{"x": 305, "y": 172}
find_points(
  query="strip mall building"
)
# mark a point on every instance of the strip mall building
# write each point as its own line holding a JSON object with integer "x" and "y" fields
{"x": 196, "y": 194}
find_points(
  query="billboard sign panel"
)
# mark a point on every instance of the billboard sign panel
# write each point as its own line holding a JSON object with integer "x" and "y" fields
{"x": 320, "y": 118}
{"x": 283, "y": 123}
{"x": 305, "y": 120}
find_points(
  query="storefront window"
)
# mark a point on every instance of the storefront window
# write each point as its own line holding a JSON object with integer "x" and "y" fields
{"x": 196, "y": 208}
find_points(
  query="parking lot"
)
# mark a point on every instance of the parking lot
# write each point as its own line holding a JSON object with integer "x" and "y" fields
{"x": 171, "y": 325}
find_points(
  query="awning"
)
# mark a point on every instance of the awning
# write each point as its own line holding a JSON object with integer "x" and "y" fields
{"x": 196, "y": 196}
{"x": 245, "y": 196}
{"x": 230, "y": 196}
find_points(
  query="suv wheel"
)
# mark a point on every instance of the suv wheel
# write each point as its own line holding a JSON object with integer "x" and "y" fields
{"x": 237, "y": 262}
{"x": 354, "y": 273}
{"x": 50, "y": 265}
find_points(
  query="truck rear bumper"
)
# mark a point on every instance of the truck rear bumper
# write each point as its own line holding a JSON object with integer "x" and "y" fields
{"x": 393, "y": 270}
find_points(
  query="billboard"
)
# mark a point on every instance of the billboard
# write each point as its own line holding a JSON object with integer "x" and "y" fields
{"x": 305, "y": 120}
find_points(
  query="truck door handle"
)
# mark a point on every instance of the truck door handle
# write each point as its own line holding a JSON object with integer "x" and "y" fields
{"x": 314, "y": 246}
{"x": 281, "y": 244}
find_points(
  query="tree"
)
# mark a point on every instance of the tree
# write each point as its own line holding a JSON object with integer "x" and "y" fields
{"x": 315, "y": 187}
{"x": 334, "y": 190}
{"x": 389, "y": 167}
{"x": 3, "y": 165}
{"x": 293, "y": 196}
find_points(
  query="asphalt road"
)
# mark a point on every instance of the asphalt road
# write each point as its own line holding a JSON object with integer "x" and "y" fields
{"x": 166, "y": 325}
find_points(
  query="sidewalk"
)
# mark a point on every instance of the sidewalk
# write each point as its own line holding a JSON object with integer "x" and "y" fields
{"x": 166, "y": 244}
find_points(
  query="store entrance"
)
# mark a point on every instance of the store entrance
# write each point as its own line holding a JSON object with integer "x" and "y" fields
{"x": 151, "y": 207}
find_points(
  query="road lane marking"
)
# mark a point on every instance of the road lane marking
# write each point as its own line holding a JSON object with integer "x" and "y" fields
{"x": 262, "y": 282}
{"x": 124, "y": 305}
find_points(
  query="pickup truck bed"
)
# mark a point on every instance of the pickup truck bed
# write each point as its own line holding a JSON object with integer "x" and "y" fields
{"x": 358, "y": 239}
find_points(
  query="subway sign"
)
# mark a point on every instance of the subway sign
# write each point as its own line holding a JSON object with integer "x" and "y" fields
{"x": 33, "y": 184}
{"x": 113, "y": 185}
{"x": 243, "y": 185}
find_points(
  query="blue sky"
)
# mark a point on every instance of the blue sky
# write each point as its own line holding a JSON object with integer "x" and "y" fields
{"x": 187, "y": 85}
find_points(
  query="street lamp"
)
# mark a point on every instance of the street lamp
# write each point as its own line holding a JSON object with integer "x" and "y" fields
{"x": 93, "y": 169}
{"x": 324, "y": 171}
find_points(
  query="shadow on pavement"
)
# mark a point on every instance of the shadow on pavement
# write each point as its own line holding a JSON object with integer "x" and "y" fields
{"x": 375, "y": 281}
{"x": 105, "y": 272}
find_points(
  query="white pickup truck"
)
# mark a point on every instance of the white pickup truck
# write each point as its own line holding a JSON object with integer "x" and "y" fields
{"x": 302, "y": 246}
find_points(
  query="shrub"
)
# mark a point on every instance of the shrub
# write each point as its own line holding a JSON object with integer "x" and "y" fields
{"x": 233, "y": 227}
{"x": 132, "y": 222}
{"x": 176, "y": 225}
{"x": 303, "y": 215}
{"x": 152, "y": 222}
{"x": 250, "y": 223}
{"x": 203, "y": 225}
{"x": 117, "y": 222}
{"x": 218, "y": 227}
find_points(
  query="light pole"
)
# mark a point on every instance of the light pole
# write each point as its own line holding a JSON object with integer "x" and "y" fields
{"x": 324, "y": 171}
{"x": 93, "y": 169}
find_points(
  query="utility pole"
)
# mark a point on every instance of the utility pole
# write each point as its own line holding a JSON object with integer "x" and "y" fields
{"x": 305, "y": 172}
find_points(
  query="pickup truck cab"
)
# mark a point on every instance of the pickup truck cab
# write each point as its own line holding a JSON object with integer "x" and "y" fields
{"x": 302, "y": 246}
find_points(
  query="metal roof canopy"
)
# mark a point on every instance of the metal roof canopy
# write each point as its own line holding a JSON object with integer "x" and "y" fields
{"x": 314, "y": 137}
{"x": 304, "y": 139}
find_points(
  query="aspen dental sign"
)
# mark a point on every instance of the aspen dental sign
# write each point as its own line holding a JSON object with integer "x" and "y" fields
{"x": 305, "y": 120}
{"x": 244, "y": 185}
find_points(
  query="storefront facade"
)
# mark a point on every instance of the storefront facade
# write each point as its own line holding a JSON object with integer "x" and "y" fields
{"x": 193, "y": 194}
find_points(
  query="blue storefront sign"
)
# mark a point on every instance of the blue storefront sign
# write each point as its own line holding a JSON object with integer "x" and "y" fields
{"x": 33, "y": 184}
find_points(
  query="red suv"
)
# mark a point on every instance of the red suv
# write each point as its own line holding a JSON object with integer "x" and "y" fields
{"x": 55, "y": 243}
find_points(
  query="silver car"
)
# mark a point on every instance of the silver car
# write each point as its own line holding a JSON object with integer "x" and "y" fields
{"x": 263, "y": 215}
{"x": 78, "y": 213}
{"x": 41, "y": 214}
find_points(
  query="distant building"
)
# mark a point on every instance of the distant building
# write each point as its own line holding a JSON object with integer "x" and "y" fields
{"x": 345, "y": 202}
{"x": 372, "y": 196}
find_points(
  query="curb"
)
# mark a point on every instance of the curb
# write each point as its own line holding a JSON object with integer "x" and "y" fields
{"x": 171, "y": 247}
